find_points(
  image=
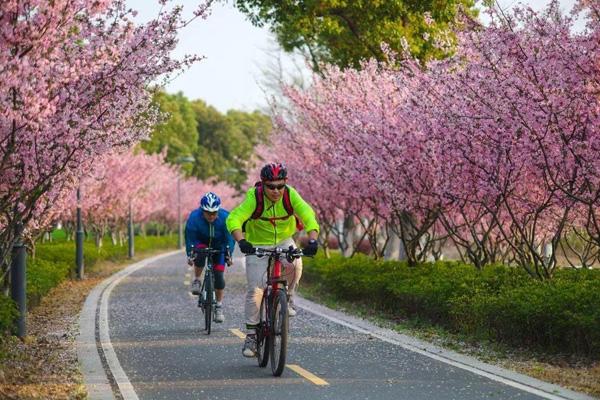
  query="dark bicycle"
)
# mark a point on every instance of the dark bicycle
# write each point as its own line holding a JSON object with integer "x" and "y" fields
{"x": 272, "y": 329}
{"x": 207, "y": 299}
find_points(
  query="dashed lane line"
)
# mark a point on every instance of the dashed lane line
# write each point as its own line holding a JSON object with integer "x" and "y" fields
{"x": 309, "y": 376}
{"x": 238, "y": 333}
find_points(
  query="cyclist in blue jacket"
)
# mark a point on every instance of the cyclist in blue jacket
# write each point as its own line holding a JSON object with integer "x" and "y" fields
{"x": 205, "y": 227}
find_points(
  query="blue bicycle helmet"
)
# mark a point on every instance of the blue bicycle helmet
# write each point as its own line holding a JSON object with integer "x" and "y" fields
{"x": 210, "y": 202}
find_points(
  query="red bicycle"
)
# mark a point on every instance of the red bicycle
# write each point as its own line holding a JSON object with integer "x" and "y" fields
{"x": 273, "y": 326}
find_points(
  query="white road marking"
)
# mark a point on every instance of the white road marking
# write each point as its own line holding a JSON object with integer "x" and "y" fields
{"x": 125, "y": 386}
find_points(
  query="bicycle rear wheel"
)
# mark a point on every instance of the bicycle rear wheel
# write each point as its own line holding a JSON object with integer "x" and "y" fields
{"x": 262, "y": 337}
{"x": 279, "y": 332}
{"x": 208, "y": 303}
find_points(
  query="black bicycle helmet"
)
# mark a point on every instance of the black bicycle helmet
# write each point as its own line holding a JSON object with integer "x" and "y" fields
{"x": 273, "y": 172}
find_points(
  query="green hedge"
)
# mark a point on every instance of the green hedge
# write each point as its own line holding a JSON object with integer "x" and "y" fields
{"x": 55, "y": 261}
{"x": 8, "y": 312}
{"x": 498, "y": 303}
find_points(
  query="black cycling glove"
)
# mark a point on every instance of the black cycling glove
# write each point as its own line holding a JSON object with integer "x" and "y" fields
{"x": 311, "y": 248}
{"x": 246, "y": 247}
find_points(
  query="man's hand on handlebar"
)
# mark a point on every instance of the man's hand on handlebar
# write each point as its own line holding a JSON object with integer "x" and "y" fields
{"x": 311, "y": 248}
{"x": 246, "y": 247}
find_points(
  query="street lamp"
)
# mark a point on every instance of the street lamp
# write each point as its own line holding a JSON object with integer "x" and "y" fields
{"x": 79, "y": 238}
{"x": 130, "y": 239}
{"x": 180, "y": 161}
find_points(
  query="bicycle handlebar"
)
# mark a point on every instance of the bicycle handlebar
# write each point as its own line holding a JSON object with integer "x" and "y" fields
{"x": 208, "y": 251}
{"x": 289, "y": 253}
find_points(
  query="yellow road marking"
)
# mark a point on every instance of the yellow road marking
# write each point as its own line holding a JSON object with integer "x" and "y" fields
{"x": 188, "y": 275}
{"x": 238, "y": 333}
{"x": 307, "y": 375}
{"x": 186, "y": 283}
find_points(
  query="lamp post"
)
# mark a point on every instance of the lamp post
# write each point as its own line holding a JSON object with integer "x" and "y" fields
{"x": 79, "y": 239}
{"x": 180, "y": 161}
{"x": 130, "y": 240}
{"x": 18, "y": 280}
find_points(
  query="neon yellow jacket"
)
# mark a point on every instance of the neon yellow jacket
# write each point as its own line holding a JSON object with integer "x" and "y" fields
{"x": 263, "y": 233}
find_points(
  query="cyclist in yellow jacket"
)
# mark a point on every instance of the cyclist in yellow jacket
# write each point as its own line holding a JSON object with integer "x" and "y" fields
{"x": 268, "y": 218}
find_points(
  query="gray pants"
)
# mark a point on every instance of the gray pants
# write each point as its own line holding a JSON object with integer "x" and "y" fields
{"x": 256, "y": 278}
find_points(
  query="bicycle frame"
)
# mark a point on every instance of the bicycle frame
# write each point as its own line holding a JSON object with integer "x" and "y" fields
{"x": 271, "y": 289}
{"x": 208, "y": 274}
{"x": 207, "y": 299}
{"x": 273, "y": 328}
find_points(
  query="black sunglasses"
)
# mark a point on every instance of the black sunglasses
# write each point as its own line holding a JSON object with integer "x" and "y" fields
{"x": 274, "y": 187}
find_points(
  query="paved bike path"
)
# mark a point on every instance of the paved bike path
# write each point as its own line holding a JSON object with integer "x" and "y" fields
{"x": 156, "y": 331}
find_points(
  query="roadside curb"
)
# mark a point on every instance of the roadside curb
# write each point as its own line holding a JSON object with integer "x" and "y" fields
{"x": 90, "y": 347}
{"x": 524, "y": 382}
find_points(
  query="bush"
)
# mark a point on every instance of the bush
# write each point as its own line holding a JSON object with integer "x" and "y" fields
{"x": 498, "y": 302}
{"x": 560, "y": 316}
{"x": 43, "y": 275}
{"x": 8, "y": 313}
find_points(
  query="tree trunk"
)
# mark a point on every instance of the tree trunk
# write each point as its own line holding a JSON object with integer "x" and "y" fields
{"x": 395, "y": 249}
{"x": 98, "y": 239}
{"x": 349, "y": 233}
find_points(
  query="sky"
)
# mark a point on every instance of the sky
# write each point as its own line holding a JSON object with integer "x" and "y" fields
{"x": 236, "y": 54}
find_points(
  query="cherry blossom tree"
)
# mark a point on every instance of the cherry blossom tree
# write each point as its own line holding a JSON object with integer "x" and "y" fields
{"x": 378, "y": 164}
{"x": 495, "y": 147}
{"x": 141, "y": 183}
{"x": 518, "y": 123}
{"x": 75, "y": 79}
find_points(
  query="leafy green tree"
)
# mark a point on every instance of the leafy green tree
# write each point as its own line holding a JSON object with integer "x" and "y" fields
{"x": 177, "y": 133}
{"x": 226, "y": 142}
{"x": 343, "y": 32}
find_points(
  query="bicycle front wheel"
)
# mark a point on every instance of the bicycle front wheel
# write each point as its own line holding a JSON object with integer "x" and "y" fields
{"x": 279, "y": 332}
{"x": 208, "y": 304}
{"x": 262, "y": 335}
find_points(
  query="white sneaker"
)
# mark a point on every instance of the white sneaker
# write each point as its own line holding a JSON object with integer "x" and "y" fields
{"x": 291, "y": 308}
{"x": 219, "y": 317}
{"x": 249, "y": 349}
{"x": 291, "y": 311}
{"x": 196, "y": 287}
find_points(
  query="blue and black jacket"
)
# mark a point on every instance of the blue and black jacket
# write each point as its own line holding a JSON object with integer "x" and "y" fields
{"x": 215, "y": 235}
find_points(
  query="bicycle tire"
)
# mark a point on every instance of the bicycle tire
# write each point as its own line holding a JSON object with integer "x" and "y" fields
{"x": 279, "y": 332}
{"x": 208, "y": 303}
{"x": 262, "y": 337}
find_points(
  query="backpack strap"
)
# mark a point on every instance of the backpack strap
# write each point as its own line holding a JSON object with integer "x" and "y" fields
{"x": 260, "y": 200}
{"x": 287, "y": 203}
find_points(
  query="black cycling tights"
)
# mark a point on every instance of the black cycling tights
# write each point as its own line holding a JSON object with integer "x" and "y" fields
{"x": 219, "y": 275}
{"x": 219, "y": 279}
